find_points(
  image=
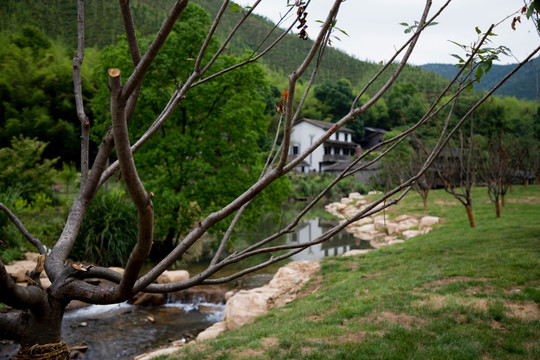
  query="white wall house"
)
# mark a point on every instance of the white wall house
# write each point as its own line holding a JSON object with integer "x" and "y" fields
{"x": 338, "y": 148}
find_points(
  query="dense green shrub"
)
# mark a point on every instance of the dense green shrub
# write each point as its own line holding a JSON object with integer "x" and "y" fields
{"x": 22, "y": 167}
{"x": 310, "y": 185}
{"x": 109, "y": 230}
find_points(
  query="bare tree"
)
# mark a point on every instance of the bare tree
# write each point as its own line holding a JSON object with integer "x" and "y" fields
{"x": 456, "y": 168}
{"x": 526, "y": 159}
{"x": 495, "y": 170}
{"x": 37, "y": 323}
{"x": 426, "y": 182}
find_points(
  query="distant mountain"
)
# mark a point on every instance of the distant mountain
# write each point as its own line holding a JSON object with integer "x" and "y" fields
{"x": 522, "y": 85}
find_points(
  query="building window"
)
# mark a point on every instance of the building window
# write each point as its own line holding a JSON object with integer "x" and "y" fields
{"x": 327, "y": 150}
{"x": 346, "y": 137}
{"x": 337, "y": 136}
{"x": 295, "y": 150}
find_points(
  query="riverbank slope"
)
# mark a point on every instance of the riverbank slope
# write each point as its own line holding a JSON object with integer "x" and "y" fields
{"x": 456, "y": 293}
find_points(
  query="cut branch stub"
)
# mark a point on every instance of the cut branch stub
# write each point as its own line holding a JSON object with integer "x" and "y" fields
{"x": 114, "y": 72}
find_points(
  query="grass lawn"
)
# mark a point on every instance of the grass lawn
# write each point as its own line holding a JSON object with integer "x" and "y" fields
{"x": 456, "y": 293}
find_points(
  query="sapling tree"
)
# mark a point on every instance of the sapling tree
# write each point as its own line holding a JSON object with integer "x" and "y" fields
{"x": 36, "y": 323}
{"x": 495, "y": 169}
{"x": 457, "y": 170}
{"x": 526, "y": 158}
{"x": 426, "y": 182}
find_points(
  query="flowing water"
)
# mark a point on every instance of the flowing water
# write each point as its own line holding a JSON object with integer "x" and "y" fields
{"x": 123, "y": 331}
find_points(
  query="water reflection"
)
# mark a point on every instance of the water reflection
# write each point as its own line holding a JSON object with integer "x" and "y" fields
{"x": 339, "y": 244}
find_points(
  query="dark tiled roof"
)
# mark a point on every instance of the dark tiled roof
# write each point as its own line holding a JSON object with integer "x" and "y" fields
{"x": 323, "y": 124}
{"x": 375, "y": 130}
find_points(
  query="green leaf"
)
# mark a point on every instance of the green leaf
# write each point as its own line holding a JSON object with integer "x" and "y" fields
{"x": 530, "y": 11}
{"x": 235, "y": 8}
{"x": 343, "y": 31}
{"x": 489, "y": 64}
{"x": 469, "y": 87}
{"x": 458, "y": 44}
{"x": 404, "y": 24}
{"x": 457, "y": 57}
{"x": 478, "y": 31}
{"x": 479, "y": 73}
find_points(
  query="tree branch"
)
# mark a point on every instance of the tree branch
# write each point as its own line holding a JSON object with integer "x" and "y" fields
{"x": 293, "y": 78}
{"x": 19, "y": 297}
{"x": 34, "y": 241}
{"x": 134, "y": 51}
{"x": 77, "y": 86}
{"x": 134, "y": 186}
{"x": 140, "y": 70}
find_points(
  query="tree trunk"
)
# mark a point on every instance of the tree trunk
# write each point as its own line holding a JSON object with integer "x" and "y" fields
{"x": 424, "y": 200}
{"x": 498, "y": 208}
{"x": 525, "y": 183}
{"x": 503, "y": 201}
{"x": 470, "y": 214}
{"x": 40, "y": 333}
{"x": 510, "y": 188}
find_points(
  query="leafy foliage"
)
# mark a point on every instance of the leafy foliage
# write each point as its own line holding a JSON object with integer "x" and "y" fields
{"x": 22, "y": 168}
{"x": 35, "y": 96}
{"x": 207, "y": 158}
{"x": 109, "y": 230}
{"x": 310, "y": 185}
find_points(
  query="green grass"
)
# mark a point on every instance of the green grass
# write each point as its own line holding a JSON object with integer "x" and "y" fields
{"x": 456, "y": 293}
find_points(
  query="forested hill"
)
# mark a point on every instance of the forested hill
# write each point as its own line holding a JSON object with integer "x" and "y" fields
{"x": 523, "y": 85}
{"x": 57, "y": 19}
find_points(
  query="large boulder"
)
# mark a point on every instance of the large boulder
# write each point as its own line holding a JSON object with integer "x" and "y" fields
{"x": 172, "y": 276}
{"x": 365, "y": 232}
{"x": 407, "y": 234}
{"x": 407, "y": 224}
{"x": 32, "y": 256}
{"x": 19, "y": 268}
{"x": 213, "y": 331}
{"x": 356, "y": 252}
{"x": 428, "y": 221}
{"x": 403, "y": 217}
{"x": 362, "y": 221}
{"x": 349, "y": 212}
{"x": 355, "y": 195}
{"x": 244, "y": 306}
{"x": 147, "y": 299}
{"x": 156, "y": 353}
{"x": 117, "y": 269}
